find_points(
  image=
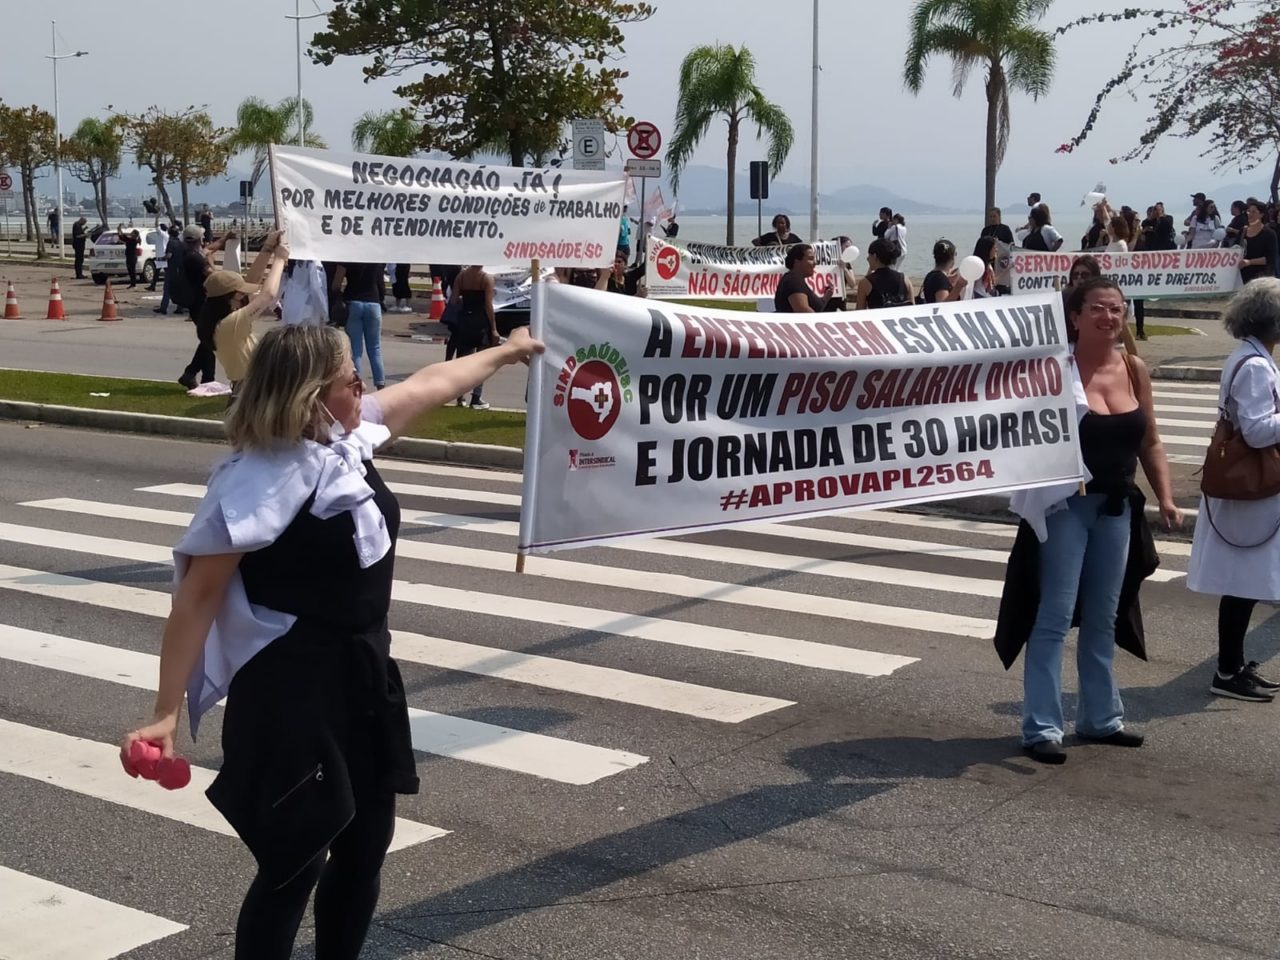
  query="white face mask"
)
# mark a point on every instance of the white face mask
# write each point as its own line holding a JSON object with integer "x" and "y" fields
{"x": 336, "y": 430}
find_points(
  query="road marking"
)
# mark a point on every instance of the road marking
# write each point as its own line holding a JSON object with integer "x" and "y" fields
{"x": 550, "y": 758}
{"x": 1205, "y": 425}
{"x": 1200, "y": 442}
{"x": 392, "y": 465}
{"x": 782, "y": 649}
{"x": 1210, "y": 411}
{"x": 574, "y": 616}
{"x": 588, "y": 680}
{"x": 657, "y": 693}
{"x": 41, "y": 920}
{"x": 197, "y": 491}
{"x": 93, "y": 770}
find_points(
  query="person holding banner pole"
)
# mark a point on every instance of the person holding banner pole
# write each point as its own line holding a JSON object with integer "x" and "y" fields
{"x": 283, "y": 585}
{"x": 943, "y": 284}
{"x": 1087, "y": 551}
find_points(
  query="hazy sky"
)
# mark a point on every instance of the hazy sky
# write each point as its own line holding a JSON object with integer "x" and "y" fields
{"x": 872, "y": 132}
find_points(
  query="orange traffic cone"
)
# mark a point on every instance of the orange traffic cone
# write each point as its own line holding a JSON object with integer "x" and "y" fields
{"x": 437, "y": 299}
{"x": 109, "y": 305}
{"x": 11, "y": 311}
{"x": 56, "y": 310}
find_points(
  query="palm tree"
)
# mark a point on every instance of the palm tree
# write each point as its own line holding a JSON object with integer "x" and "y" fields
{"x": 392, "y": 133}
{"x": 259, "y": 125}
{"x": 1000, "y": 35}
{"x": 719, "y": 81}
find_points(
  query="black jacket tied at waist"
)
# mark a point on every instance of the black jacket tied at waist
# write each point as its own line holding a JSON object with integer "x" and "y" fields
{"x": 1020, "y": 601}
{"x": 296, "y": 716}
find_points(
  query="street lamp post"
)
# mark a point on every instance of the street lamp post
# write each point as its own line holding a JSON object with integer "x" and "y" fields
{"x": 813, "y": 144}
{"x": 57, "y": 127}
{"x": 297, "y": 19}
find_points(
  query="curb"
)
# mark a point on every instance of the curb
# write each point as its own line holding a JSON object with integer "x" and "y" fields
{"x": 1186, "y": 372}
{"x": 194, "y": 428}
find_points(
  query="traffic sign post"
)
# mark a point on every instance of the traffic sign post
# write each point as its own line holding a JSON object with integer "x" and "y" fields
{"x": 643, "y": 140}
{"x": 643, "y": 168}
{"x": 588, "y": 144}
{"x": 6, "y": 194}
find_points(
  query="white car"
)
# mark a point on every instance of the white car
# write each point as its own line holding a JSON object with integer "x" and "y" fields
{"x": 105, "y": 257}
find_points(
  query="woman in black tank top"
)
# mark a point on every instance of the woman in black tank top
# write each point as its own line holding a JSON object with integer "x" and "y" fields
{"x": 1084, "y": 559}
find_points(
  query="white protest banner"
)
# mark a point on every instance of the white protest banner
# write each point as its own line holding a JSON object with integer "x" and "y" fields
{"x": 710, "y": 272}
{"x": 652, "y": 419}
{"x": 1141, "y": 274}
{"x": 363, "y": 208}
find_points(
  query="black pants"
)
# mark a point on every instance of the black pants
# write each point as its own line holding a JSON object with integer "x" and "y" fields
{"x": 346, "y": 879}
{"x": 1233, "y": 624}
{"x": 1139, "y": 314}
{"x": 78, "y": 247}
{"x": 204, "y": 361}
{"x": 131, "y": 264}
{"x": 401, "y": 289}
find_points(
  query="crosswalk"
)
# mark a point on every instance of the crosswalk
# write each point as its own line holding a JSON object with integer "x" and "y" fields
{"x": 1186, "y": 413}
{"x": 580, "y": 672}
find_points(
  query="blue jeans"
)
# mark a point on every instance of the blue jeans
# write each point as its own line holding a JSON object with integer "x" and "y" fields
{"x": 1085, "y": 555}
{"x": 364, "y": 327}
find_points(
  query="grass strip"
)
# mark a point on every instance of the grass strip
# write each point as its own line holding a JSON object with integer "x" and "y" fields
{"x": 451, "y": 424}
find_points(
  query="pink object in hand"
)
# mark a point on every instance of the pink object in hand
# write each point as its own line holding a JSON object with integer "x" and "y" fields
{"x": 145, "y": 756}
{"x": 172, "y": 773}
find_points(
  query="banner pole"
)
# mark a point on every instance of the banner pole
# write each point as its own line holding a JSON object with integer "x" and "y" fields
{"x": 532, "y": 417}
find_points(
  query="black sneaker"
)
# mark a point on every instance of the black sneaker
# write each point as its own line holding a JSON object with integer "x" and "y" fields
{"x": 1119, "y": 738}
{"x": 188, "y": 383}
{"x": 1239, "y": 687}
{"x": 1262, "y": 683}
{"x": 1046, "y": 751}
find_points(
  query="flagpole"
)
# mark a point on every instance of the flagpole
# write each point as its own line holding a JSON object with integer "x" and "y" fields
{"x": 813, "y": 145}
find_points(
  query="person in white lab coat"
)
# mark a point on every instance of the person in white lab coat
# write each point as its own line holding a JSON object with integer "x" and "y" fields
{"x": 1236, "y": 550}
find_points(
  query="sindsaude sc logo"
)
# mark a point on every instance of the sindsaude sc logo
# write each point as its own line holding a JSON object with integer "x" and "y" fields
{"x": 667, "y": 262}
{"x": 593, "y": 385}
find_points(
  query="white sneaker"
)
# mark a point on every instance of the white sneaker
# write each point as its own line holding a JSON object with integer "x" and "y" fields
{"x": 462, "y": 402}
{"x": 479, "y": 404}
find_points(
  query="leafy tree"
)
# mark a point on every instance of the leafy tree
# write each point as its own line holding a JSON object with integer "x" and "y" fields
{"x": 200, "y": 153}
{"x": 1000, "y": 36}
{"x": 720, "y": 81}
{"x": 493, "y": 72}
{"x": 148, "y": 137}
{"x": 27, "y": 142}
{"x": 1213, "y": 68}
{"x": 393, "y": 133}
{"x": 92, "y": 154}
{"x": 260, "y": 124}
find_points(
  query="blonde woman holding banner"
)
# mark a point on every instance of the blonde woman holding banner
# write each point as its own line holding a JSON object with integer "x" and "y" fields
{"x": 280, "y": 605}
{"x": 1087, "y": 549}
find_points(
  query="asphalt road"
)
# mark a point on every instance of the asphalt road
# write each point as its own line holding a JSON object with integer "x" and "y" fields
{"x": 837, "y": 776}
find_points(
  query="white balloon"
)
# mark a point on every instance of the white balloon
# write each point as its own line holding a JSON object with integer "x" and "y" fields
{"x": 1092, "y": 199}
{"x": 971, "y": 268}
{"x": 850, "y": 254}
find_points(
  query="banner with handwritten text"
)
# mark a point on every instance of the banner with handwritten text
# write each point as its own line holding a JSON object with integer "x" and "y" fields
{"x": 1143, "y": 274}
{"x": 370, "y": 209}
{"x": 711, "y": 272}
{"x": 655, "y": 419}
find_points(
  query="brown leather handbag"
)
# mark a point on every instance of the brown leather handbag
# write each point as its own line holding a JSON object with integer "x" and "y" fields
{"x": 1232, "y": 469}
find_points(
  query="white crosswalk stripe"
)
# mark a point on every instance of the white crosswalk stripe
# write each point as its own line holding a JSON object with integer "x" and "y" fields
{"x": 889, "y": 575}
{"x": 93, "y": 769}
{"x": 41, "y": 920}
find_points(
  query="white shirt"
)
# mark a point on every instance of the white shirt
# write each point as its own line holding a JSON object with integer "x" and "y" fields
{"x": 252, "y": 498}
{"x": 1218, "y": 567}
{"x": 898, "y": 234}
{"x": 1118, "y": 246}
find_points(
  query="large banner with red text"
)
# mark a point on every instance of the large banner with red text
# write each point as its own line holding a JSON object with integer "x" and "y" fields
{"x": 1142, "y": 274}
{"x": 372, "y": 209}
{"x": 709, "y": 272}
{"x": 655, "y": 419}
